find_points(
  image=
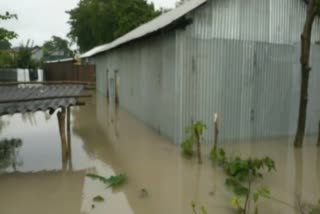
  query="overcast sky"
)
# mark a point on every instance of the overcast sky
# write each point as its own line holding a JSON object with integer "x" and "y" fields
{"x": 40, "y": 19}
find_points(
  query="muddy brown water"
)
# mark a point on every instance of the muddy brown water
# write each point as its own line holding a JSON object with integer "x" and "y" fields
{"x": 109, "y": 141}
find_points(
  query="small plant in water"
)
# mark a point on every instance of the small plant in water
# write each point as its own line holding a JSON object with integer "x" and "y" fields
{"x": 196, "y": 209}
{"x": 195, "y": 132}
{"x": 242, "y": 174}
{"x": 310, "y": 209}
{"x": 218, "y": 156}
{"x": 98, "y": 198}
{"x": 112, "y": 181}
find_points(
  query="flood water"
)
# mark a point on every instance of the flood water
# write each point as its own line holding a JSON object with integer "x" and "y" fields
{"x": 108, "y": 141}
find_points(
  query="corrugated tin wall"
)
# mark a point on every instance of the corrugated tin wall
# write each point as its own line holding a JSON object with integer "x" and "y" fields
{"x": 274, "y": 21}
{"x": 239, "y": 58}
{"x": 243, "y": 63}
{"x": 146, "y": 80}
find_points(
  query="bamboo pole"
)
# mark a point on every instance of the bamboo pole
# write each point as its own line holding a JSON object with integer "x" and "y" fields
{"x": 44, "y": 98}
{"x": 216, "y": 131}
{"x": 62, "y": 130}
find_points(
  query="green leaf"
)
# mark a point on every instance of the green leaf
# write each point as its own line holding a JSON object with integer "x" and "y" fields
{"x": 203, "y": 210}
{"x": 314, "y": 211}
{"x": 98, "y": 198}
{"x": 193, "y": 205}
{"x": 235, "y": 201}
{"x": 97, "y": 177}
{"x": 111, "y": 181}
{"x": 116, "y": 180}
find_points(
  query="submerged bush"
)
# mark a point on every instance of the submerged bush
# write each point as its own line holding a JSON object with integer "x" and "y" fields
{"x": 194, "y": 135}
{"x": 242, "y": 174}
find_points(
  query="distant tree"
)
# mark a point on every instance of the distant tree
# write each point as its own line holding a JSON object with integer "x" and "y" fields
{"x": 5, "y": 45}
{"x": 312, "y": 11}
{"x": 24, "y": 56}
{"x": 56, "y": 44}
{"x": 95, "y": 22}
{"x": 6, "y": 59}
{"x": 5, "y": 34}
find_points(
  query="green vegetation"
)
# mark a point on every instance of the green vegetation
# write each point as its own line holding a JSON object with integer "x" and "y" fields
{"x": 194, "y": 135}
{"x": 315, "y": 209}
{"x": 98, "y": 198}
{"x": 242, "y": 175}
{"x": 56, "y": 44}
{"x": 96, "y": 22}
{"x": 24, "y": 56}
{"x": 218, "y": 156}
{"x": 6, "y": 59}
{"x": 112, "y": 181}
{"x": 5, "y": 34}
{"x": 196, "y": 209}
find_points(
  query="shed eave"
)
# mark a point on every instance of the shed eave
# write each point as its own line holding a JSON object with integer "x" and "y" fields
{"x": 148, "y": 28}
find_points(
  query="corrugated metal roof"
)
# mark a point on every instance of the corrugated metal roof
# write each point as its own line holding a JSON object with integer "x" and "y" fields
{"x": 30, "y": 92}
{"x": 60, "y": 60}
{"x": 150, "y": 27}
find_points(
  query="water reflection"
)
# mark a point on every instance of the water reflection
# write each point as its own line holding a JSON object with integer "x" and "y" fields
{"x": 29, "y": 118}
{"x": 298, "y": 159}
{"x": 3, "y": 124}
{"x": 107, "y": 140}
{"x": 9, "y": 150}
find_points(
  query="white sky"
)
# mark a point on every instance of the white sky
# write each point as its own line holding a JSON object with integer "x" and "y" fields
{"x": 38, "y": 20}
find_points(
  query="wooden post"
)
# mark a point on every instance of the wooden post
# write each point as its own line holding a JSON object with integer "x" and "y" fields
{"x": 216, "y": 131}
{"x": 319, "y": 136}
{"x": 62, "y": 129}
{"x": 69, "y": 137}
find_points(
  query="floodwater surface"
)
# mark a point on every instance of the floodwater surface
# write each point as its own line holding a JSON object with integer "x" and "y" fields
{"x": 108, "y": 141}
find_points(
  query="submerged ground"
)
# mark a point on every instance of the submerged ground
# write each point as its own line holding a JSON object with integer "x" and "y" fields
{"x": 109, "y": 141}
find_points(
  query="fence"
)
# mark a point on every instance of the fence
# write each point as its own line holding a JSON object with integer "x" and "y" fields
{"x": 20, "y": 75}
{"x": 69, "y": 71}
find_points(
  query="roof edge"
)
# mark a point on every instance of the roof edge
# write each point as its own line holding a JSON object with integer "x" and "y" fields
{"x": 146, "y": 29}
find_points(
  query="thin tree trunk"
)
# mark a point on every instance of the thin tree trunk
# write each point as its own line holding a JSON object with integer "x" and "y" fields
{"x": 305, "y": 72}
{"x": 319, "y": 136}
{"x": 198, "y": 147}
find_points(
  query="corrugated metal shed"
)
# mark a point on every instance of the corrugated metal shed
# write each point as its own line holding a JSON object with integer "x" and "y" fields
{"x": 14, "y": 93}
{"x": 150, "y": 27}
{"x": 239, "y": 58}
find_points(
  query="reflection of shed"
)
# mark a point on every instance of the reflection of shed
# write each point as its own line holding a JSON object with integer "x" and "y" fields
{"x": 42, "y": 192}
{"x": 239, "y": 58}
